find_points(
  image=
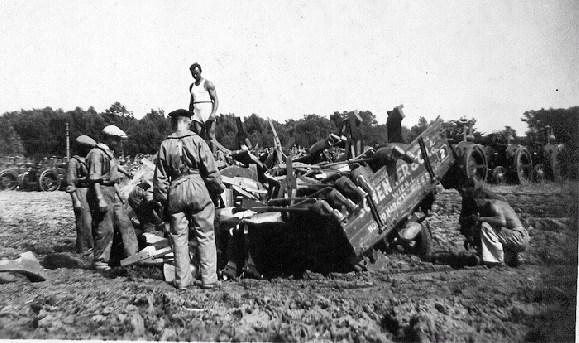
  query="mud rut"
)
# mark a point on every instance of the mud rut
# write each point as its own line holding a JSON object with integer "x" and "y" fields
{"x": 408, "y": 300}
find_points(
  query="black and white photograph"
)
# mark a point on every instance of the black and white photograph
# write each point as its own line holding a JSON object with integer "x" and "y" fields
{"x": 289, "y": 171}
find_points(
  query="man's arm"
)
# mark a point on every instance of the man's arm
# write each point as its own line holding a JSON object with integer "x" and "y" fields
{"x": 71, "y": 180}
{"x": 94, "y": 164}
{"x": 71, "y": 175}
{"x": 160, "y": 179}
{"x": 497, "y": 220}
{"x": 191, "y": 105}
{"x": 213, "y": 95}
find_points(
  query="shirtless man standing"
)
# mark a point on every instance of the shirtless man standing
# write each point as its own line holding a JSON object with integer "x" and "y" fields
{"x": 204, "y": 104}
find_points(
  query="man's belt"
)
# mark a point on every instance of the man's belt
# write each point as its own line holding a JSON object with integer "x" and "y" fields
{"x": 200, "y": 102}
{"x": 82, "y": 184}
{"x": 183, "y": 177}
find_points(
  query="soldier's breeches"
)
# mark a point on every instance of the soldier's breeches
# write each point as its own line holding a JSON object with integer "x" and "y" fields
{"x": 189, "y": 202}
{"x": 84, "y": 234}
{"x": 180, "y": 239}
{"x": 205, "y": 237}
{"x": 103, "y": 224}
{"x": 125, "y": 227}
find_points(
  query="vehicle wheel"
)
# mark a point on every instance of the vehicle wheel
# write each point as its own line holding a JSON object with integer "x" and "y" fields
{"x": 539, "y": 173}
{"x": 23, "y": 181}
{"x": 523, "y": 166}
{"x": 475, "y": 163}
{"x": 499, "y": 176}
{"x": 423, "y": 246}
{"x": 488, "y": 150}
{"x": 8, "y": 180}
{"x": 49, "y": 181}
{"x": 559, "y": 160}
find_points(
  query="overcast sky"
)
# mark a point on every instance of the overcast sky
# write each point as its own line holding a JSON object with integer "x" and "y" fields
{"x": 491, "y": 60}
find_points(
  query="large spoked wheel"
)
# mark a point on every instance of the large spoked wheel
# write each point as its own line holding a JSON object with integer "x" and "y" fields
{"x": 559, "y": 160}
{"x": 8, "y": 180}
{"x": 523, "y": 166}
{"x": 49, "y": 181}
{"x": 23, "y": 181}
{"x": 475, "y": 163}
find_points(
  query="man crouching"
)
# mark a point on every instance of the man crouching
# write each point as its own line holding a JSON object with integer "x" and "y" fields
{"x": 491, "y": 225}
{"x": 184, "y": 176}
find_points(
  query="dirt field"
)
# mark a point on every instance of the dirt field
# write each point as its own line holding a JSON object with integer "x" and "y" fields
{"x": 409, "y": 300}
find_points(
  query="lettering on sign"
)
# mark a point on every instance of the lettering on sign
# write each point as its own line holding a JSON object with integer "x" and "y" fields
{"x": 372, "y": 227}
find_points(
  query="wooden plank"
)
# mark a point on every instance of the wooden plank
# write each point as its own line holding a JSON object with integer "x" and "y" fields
{"x": 141, "y": 255}
{"x": 276, "y": 143}
{"x": 27, "y": 264}
{"x": 157, "y": 241}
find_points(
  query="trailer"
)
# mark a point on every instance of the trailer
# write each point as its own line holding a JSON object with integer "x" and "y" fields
{"x": 331, "y": 216}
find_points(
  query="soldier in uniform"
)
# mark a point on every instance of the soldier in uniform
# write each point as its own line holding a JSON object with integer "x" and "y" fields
{"x": 104, "y": 200}
{"x": 185, "y": 176}
{"x": 76, "y": 177}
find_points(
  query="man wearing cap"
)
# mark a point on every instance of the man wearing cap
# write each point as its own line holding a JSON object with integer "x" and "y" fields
{"x": 76, "y": 177}
{"x": 105, "y": 202}
{"x": 185, "y": 175}
{"x": 204, "y": 104}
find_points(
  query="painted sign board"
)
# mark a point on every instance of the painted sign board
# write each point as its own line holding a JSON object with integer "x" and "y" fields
{"x": 398, "y": 190}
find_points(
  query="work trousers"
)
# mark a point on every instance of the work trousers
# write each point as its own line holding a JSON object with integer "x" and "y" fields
{"x": 189, "y": 204}
{"x": 104, "y": 225}
{"x": 504, "y": 243}
{"x": 84, "y": 237}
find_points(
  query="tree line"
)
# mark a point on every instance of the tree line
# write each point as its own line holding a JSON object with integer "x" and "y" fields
{"x": 42, "y": 132}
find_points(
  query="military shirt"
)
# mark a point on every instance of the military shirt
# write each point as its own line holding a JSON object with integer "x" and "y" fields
{"x": 183, "y": 153}
{"x": 101, "y": 165}
{"x": 76, "y": 172}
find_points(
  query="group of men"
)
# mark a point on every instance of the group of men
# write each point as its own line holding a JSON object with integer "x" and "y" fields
{"x": 186, "y": 183}
{"x": 92, "y": 177}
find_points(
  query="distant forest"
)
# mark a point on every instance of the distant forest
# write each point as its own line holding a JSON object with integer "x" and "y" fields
{"x": 42, "y": 132}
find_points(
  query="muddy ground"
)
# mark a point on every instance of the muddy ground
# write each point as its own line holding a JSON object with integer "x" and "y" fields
{"x": 409, "y": 300}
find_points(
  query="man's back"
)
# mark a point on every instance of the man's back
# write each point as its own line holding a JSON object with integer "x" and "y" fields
{"x": 504, "y": 211}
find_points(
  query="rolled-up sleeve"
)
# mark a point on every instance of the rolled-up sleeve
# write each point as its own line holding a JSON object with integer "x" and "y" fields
{"x": 95, "y": 162}
{"x": 71, "y": 175}
{"x": 160, "y": 179}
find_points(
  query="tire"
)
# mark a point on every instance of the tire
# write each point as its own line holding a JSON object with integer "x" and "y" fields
{"x": 8, "y": 180}
{"x": 489, "y": 151}
{"x": 423, "y": 246}
{"x": 523, "y": 166}
{"x": 49, "y": 180}
{"x": 23, "y": 181}
{"x": 559, "y": 160}
{"x": 475, "y": 163}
